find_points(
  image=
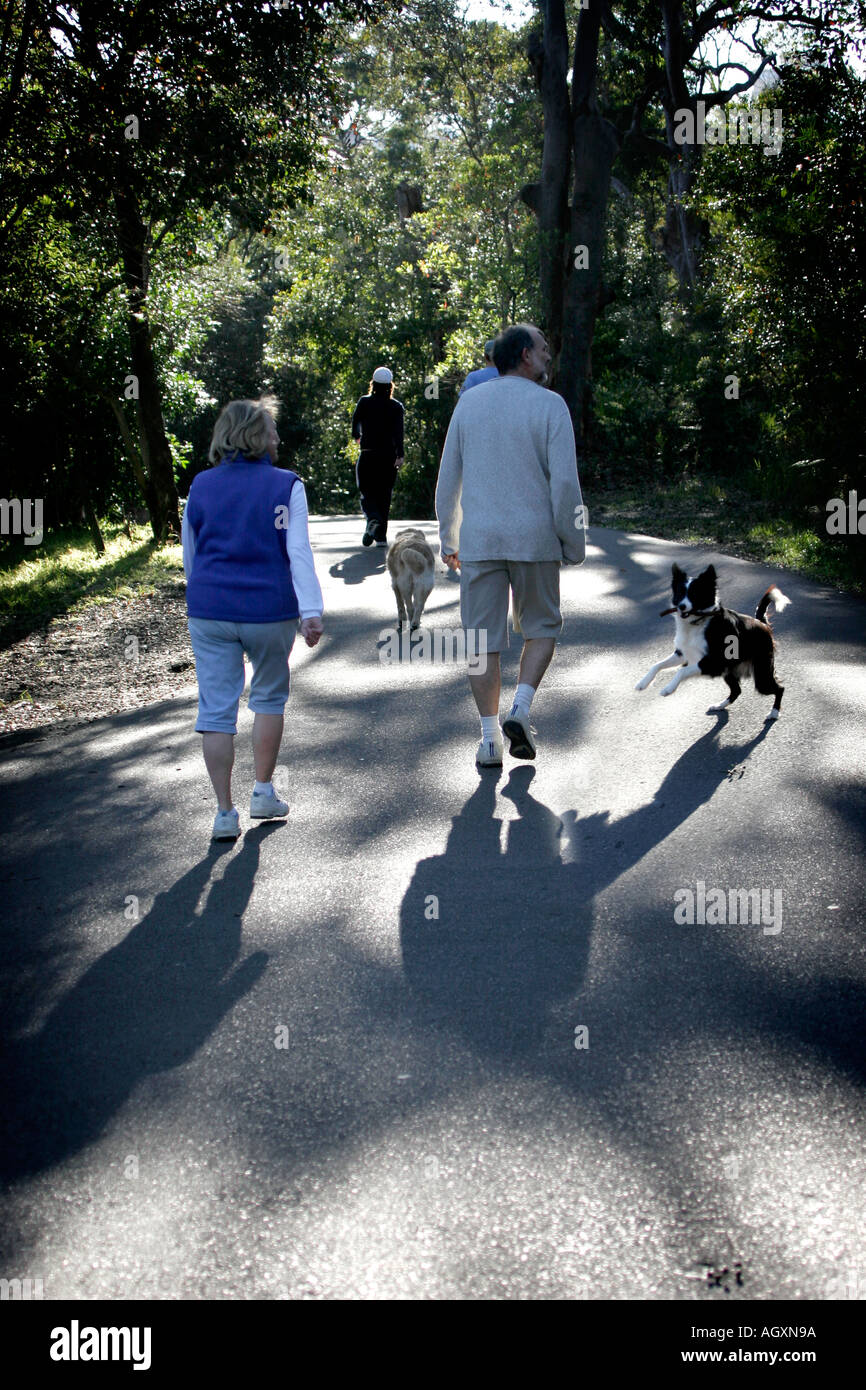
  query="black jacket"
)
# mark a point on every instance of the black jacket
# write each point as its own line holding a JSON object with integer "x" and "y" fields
{"x": 378, "y": 423}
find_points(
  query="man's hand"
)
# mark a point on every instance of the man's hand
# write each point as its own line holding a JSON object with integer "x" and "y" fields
{"x": 452, "y": 561}
{"x": 311, "y": 630}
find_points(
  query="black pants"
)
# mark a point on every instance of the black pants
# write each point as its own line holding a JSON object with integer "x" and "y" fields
{"x": 376, "y": 476}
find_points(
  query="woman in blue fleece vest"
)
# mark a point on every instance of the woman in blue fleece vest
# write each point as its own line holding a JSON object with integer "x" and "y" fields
{"x": 250, "y": 579}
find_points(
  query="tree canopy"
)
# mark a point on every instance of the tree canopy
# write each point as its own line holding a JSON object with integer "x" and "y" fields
{"x": 201, "y": 201}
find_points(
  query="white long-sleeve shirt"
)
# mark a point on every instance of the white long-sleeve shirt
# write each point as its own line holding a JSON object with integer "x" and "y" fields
{"x": 304, "y": 578}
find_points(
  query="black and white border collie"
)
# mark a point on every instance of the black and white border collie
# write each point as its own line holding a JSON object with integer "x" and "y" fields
{"x": 716, "y": 641}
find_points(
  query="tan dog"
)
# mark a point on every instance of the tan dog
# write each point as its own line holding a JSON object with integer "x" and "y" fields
{"x": 411, "y": 566}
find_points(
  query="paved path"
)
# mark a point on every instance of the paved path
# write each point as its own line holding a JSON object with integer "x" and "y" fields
{"x": 423, "y": 943}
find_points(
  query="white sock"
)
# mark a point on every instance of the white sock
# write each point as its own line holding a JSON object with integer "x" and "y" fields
{"x": 490, "y": 728}
{"x": 263, "y": 788}
{"x": 523, "y": 698}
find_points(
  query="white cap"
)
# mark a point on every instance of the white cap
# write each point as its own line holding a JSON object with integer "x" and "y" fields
{"x": 382, "y": 375}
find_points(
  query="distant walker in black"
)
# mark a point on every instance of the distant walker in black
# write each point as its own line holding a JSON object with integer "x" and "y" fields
{"x": 378, "y": 424}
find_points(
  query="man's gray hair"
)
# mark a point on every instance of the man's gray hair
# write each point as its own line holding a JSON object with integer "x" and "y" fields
{"x": 243, "y": 428}
{"x": 510, "y": 346}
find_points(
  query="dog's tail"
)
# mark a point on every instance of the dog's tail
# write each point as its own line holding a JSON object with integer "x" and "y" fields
{"x": 774, "y": 596}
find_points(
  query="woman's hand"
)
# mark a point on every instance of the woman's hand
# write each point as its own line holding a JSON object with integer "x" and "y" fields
{"x": 398, "y": 463}
{"x": 311, "y": 630}
{"x": 452, "y": 561}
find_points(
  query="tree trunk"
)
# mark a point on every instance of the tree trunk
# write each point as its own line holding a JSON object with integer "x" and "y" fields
{"x": 92, "y": 522}
{"x": 155, "y": 452}
{"x": 572, "y": 239}
{"x": 595, "y": 147}
{"x": 19, "y": 66}
{"x": 550, "y": 63}
{"x": 132, "y": 454}
{"x": 683, "y": 234}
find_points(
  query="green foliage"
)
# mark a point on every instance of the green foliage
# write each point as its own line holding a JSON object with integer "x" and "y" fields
{"x": 321, "y": 199}
{"x": 442, "y": 107}
{"x": 789, "y": 283}
{"x": 761, "y": 378}
{"x": 173, "y": 119}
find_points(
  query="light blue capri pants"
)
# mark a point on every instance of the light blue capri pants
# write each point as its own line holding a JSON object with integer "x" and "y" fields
{"x": 219, "y": 649}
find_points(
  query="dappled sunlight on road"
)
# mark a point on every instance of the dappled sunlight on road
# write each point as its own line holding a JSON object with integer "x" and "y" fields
{"x": 431, "y": 941}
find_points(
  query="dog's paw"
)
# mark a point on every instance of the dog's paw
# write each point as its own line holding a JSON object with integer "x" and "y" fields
{"x": 643, "y": 682}
{"x": 669, "y": 689}
{"x": 774, "y": 714}
{"x": 717, "y": 709}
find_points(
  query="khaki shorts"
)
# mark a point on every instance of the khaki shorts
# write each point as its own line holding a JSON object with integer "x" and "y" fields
{"x": 534, "y": 588}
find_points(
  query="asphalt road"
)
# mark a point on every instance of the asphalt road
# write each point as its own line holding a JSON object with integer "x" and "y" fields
{"x": 440, "y": 1035}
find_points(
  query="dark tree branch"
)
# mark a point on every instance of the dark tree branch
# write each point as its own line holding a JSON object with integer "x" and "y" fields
{"x": 17, "y": 75}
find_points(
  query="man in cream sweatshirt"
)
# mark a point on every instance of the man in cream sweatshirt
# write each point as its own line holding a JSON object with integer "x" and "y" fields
{"x": 510, "y": 513}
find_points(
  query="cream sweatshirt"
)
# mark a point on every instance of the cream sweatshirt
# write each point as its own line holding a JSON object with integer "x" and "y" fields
{"x": 508, "y": 486}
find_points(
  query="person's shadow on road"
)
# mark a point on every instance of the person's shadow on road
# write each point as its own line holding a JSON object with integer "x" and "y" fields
{"x": 493, "y": 942}
{"x": 485, "y": 944}
{"x": 144, "y": 1006}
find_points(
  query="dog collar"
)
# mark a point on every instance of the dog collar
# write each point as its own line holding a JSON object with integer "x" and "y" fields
{"x": 699, "y": 614}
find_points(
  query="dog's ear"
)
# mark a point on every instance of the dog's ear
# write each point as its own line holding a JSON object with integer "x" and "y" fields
{"x": 676, "y": 572}
{"x": 709, "y": 574}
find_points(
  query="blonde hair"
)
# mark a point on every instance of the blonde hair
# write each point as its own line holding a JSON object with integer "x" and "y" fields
{"x": 243, "y": 428}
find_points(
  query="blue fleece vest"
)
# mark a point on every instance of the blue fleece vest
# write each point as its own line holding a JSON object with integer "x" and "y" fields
{"x": 238, "y": 513}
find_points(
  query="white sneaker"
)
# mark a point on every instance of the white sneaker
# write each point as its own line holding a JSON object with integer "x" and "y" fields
{"x": 227, "y": 825}
{"x": 516, "y": 728}
{"x": 489, "y": 753}
{"x": 264, "y": 805}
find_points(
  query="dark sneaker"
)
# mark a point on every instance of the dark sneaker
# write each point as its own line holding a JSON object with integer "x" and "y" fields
{"x": 516, "y": 728}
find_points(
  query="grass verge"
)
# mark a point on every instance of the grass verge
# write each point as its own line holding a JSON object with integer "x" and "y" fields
{"x": 708, "y": 512}
{"x": 65, "y": 574}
